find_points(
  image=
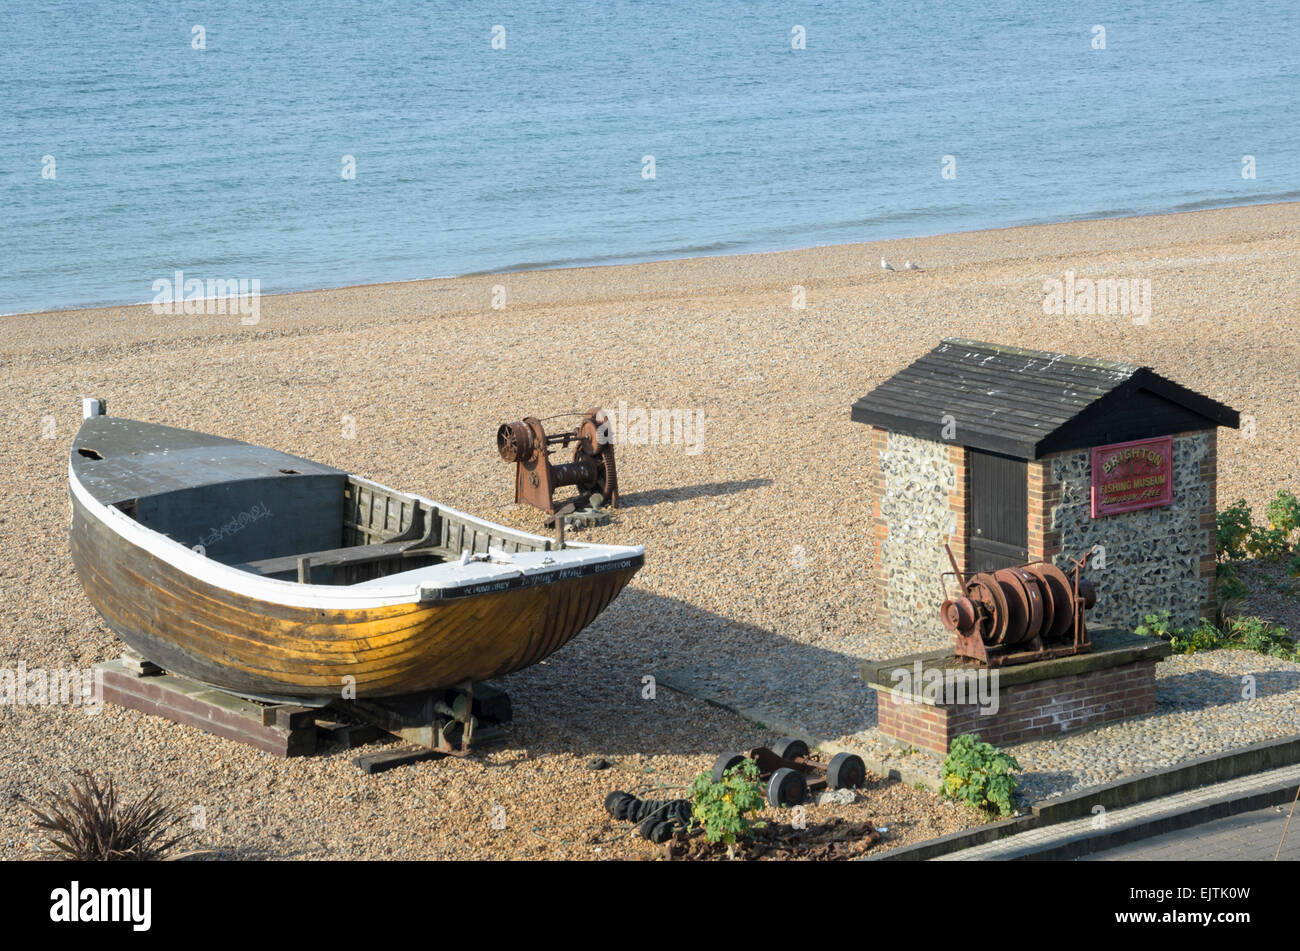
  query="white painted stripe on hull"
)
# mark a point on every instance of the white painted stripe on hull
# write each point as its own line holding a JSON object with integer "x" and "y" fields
{"x": 446, "y": 577}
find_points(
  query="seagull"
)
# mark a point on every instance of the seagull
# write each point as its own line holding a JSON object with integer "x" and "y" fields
{"x": 912, "y": 267}
{"x": 886, "y": 265}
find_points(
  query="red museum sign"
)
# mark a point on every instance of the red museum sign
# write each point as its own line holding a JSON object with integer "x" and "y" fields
{"x": 1132, "y": 475}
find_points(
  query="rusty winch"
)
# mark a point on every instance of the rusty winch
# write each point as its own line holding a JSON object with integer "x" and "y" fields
{"x": 591, "y": 471}
{"x": 1020, "y": 614}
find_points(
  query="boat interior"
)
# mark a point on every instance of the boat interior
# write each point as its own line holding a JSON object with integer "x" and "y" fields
{"x": 271, "y": 513}
{"x": 320, "y": 528}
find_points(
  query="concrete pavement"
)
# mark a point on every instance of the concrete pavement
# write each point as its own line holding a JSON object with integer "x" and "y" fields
{"x": 1249, "y": 837}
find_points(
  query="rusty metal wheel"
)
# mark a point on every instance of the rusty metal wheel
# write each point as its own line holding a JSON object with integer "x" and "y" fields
{"x": 1034, "y": 590}
{"x": 725, "y": 762}
{"x": 787, "y": 787}
{"x": 604, "y": 477}
{"x": 1024, "y": 603}
{"x": 985, "y": 590}
{"x": 1058, "y": 600}
{"x": 958, "y": 614}
{"x": 846, "y": 771}
{"x": 789, "y": 748}
{"x": 1087, "y": 591}
{"x": 515, "y": 442}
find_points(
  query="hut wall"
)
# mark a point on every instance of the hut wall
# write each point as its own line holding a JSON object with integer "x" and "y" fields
{"x": 1155, "y": 559}
{"x": 919, "y": 506}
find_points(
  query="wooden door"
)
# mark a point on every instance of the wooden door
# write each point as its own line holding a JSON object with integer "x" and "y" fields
{"x": 998, "y": 515}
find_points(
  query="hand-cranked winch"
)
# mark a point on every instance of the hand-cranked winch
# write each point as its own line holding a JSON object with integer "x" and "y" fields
{"x": 1019, "y": 614}
{"x": 592, "y": 470}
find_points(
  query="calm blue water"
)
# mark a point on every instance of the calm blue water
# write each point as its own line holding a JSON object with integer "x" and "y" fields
{"x": 226, "y": 162}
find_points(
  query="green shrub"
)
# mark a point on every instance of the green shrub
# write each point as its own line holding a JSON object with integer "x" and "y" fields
{"x": 1204, "y": 637}
{"x": 1156, "y": 625}
{"x": 1262, "y": 636}
{"x": 1246, "y": 633}
{"x": 1236, "y": 535}
{"x": 1284, "y": 512}
{"x": 1268, "y": 543}
{"x": 1232, "y": 529}
{"x": 1231, "y": 587}
{"x": 721, "y": 809}
{"x": 980, "y": 775}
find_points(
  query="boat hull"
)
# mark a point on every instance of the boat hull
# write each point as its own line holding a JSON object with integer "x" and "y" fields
{"x": 261, "y": 648}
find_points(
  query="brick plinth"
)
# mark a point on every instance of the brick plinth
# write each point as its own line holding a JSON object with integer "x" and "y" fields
{"x": 930, "y": 699}
{"x": 1024, "y": 711}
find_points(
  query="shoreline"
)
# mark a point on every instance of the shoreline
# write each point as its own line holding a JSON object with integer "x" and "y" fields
{"x": 649, "y": 260}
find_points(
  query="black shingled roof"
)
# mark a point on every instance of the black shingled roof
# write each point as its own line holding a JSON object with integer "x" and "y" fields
{"x": 1028, "y": 403}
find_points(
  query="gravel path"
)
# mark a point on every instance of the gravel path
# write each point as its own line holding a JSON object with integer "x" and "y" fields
{"x": 758, "y": 564}
{"x": 1202, "y": 708}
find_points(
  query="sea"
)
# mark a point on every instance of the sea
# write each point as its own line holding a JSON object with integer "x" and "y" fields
{"x": 329, "y": 143}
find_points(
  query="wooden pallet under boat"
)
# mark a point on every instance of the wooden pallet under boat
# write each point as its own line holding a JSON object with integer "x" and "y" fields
{"x": 273, "y": 576}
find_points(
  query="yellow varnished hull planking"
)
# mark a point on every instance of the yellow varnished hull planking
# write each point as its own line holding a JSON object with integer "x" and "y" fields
{"x": 260, "y": 648}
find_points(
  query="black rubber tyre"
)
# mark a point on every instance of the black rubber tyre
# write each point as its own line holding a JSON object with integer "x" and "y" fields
{"x": 789, "y": 748}
{"x": 661, "y": 832}
{"x": 618, "y": 804}
{"x": 787, "y": 787}
{"x": 646, "y": 826}
{"x": 846, "y": 771}
{"x": 725, "y": 762}
{"x": 612, "y": 801}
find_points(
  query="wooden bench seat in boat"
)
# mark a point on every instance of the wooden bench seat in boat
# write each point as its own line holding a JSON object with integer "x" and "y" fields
{"x": 417, "y": 540}
{"x": 330, "y": 558}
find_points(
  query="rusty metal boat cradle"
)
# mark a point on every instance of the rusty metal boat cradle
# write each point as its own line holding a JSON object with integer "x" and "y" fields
{"x": 280, "y": 579}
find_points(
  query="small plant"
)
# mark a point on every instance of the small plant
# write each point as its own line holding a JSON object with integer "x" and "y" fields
{"x": 1283, "y": 512}
{"x": 980, "y": 775}
{"x": 88, "y": 823}
{"x": 1262, "y": 637}
{"x": 1204, "y": 637}
{"x": 1231, "y": 587}
{"x": 1236, "y": 535}
{"x": 1268, "y": 543}
{"x": 1232, "y": 529}
{"x": 1233, "y": 633}
{"x": 1157, "y": 625}
{"x": 722, "y": 809}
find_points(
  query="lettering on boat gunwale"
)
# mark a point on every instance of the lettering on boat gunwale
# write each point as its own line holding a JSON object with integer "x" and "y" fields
{"x": 529, "y": 581}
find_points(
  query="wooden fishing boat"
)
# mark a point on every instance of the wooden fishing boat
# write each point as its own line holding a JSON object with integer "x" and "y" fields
{"x": 276, "y": 577}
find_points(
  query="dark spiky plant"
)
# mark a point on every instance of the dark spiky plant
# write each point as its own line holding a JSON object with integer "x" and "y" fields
{"x": 89, "y": 823}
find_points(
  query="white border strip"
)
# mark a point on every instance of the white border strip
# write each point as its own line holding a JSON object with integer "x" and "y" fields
{"x": 335, "y": 597}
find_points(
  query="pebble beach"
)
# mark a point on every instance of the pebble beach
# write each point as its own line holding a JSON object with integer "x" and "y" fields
{"x": 758, "y": 574}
